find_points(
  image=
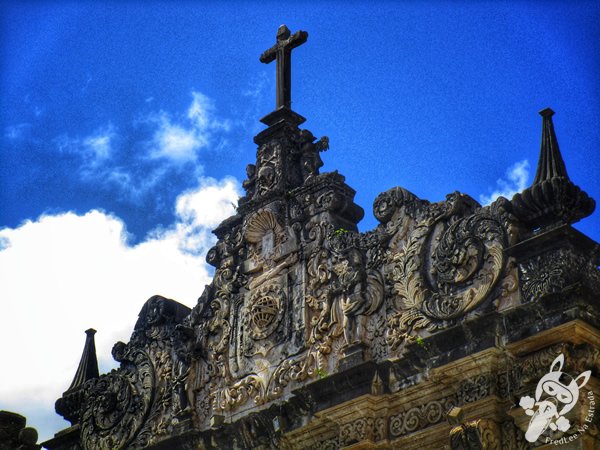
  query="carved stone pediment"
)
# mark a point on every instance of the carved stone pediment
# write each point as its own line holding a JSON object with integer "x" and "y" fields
{"x": 315, "y": 335}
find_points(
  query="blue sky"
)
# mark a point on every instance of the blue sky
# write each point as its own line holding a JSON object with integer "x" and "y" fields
{"x": 125, "y": 129}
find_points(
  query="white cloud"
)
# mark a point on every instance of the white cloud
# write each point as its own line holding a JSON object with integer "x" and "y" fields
{"x": 173, "y": 140}
{"x": 65, "y": 273}
{"x": 17, "y": 132}
{"x": 94, "y": 150}
{"x": 99, "y": 144}
{"x": 516, "y": 180}
{"x": 176, "y": 143}
{"x": 180, "y": 140}
{"x": 201, "y": 113}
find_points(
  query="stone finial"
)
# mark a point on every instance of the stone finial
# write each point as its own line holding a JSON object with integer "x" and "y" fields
{"x": 553, "y": 199}
{"x": 15, "y": 435}
{"x": 70, "y": 402}
{"x": 376, "y": 384}
{"x": 88, "y": 365}
{"x": 550, "y": 163}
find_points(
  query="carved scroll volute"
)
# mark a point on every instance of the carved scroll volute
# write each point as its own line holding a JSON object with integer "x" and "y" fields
{"x": 462, "y": 260}
{"x": 395, "y": 209}
{"x": 467, "y": 263}
{"x": 117, "y": 404}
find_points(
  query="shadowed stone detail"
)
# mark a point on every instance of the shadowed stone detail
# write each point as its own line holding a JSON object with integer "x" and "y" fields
{"x": 315, "y": 335}
{"x": 552, "y": 199}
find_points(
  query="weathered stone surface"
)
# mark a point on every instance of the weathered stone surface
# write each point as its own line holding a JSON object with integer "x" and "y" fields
{"x": 14, "y": 435}
{"x": 313, "y": 335}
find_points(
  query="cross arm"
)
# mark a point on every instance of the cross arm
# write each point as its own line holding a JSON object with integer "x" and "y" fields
{"x": 269, "y": 55}
{"x": 296, "y": 39}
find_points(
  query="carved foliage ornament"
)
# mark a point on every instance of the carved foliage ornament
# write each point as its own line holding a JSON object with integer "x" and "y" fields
{"x": 448, "y": 266}
{"x": 117, "y": 404}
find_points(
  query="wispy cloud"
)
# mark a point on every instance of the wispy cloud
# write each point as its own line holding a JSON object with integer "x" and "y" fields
{"x": 165, "y": 143}
{"x": 515, "y": 180}
{"x": 83, "y": 267}
{"x": 176, "y": 143}
{"x": 93, "y": 150}
{"x": 98, "y": 146}
{"x": 17, "y": 132}
{"x": 180, "y": 140}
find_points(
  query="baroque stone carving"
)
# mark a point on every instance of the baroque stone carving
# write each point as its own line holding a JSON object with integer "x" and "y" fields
{"x": 448, "y": 265}
{"x": 301, "y": 303}
{"x": 478, "y": 434}
{"x": 129, "y": 407}
{"x": 364, "y": 428}
{"x": 419, "y": 417}
{"x": 553, "y": 271}
{"x": 265, "y": 311}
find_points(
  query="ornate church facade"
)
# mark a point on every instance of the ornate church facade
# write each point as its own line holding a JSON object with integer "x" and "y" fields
{"x": 432, "y": 331}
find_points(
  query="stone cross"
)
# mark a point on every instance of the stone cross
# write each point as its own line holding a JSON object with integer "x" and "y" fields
{"x": 282, "y": 52}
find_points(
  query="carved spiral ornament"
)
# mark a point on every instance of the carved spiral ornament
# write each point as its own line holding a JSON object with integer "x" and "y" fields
{"x": 117, "y": 405}
{"x": 467, "y": 263}
{"x": 444, "y": 271}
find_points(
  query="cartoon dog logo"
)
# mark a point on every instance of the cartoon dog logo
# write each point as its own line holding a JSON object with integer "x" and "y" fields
{"x": 556, "y": 394}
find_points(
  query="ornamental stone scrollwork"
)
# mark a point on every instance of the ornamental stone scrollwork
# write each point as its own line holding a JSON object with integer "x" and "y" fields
{"x": 364, "y": 428}
{"x": 269, "y": 174}
{"x": 118, "y": 404}
{"x": 341, "y": 293}
{"x": 419, "y": 417}
{"x": 327, "y": 444}
{"x": 242, "y": 391}
{"x": 133, "y": 406}
{"x": 396, "y": 209}
{"x": 448, "y": 265}
{"x": 474, "y": 389}
{"x": 554, "y": 271}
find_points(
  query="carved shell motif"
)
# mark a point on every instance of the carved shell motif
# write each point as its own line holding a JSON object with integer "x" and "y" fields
{"x": 263, "y": 232}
